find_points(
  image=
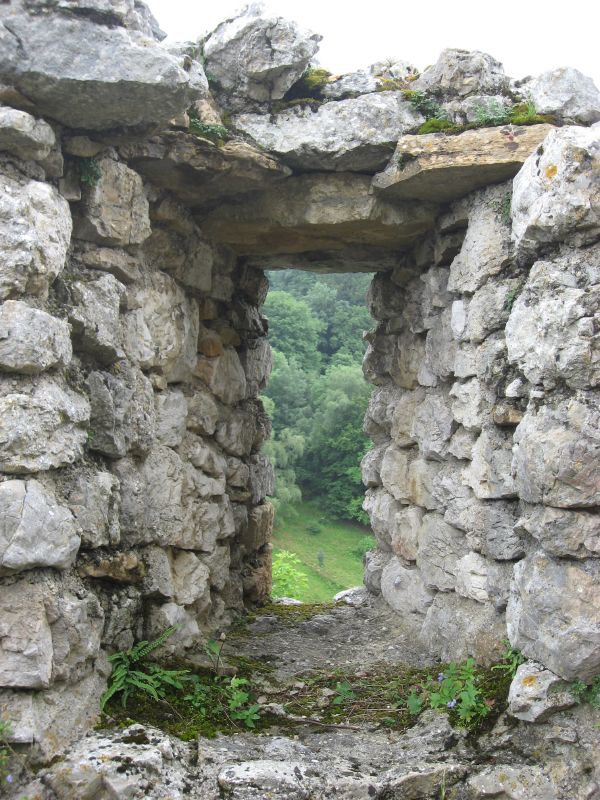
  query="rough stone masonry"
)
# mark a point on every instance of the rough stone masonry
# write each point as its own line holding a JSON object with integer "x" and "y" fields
{"x": 133, "y": 349}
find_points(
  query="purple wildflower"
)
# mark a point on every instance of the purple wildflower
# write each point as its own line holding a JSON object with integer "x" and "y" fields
{"x": 441, "y": 677}
{"x": 452, "y": 703}
{"x": 9, "y": 779}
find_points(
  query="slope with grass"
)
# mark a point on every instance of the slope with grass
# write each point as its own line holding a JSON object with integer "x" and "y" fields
{"x": 331, "y": 551}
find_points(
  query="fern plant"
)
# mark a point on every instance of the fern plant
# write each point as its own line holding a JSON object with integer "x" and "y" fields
{"x": 131, "y": 673}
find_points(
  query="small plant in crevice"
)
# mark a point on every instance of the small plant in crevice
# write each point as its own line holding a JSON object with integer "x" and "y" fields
{"x": 587, "y": 692}
{"x": 309, "y": 86}
{"x": 131, "y": 672}
{"x": 423, "y": 103}
{"x": 511, "y": 659}
{"x": 502, "y": 207}
{"x": 457, "y": 690}
{"x": 89, "y": 170}
{"x": 404, "y": 160}
{"x": 218, "y": 134}
{"x": 491, "y": 114}
{"x": 224, "y": 697}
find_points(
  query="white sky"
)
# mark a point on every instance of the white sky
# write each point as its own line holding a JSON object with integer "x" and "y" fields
{"x": 527, "y": 36}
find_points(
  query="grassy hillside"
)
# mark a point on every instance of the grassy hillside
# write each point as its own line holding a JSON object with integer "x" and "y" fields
{"x": 303, "y": 529}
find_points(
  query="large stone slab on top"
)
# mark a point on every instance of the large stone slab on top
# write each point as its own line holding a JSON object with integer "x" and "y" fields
{"x": 199, "y": 172}
{"x": 442, "y": 167}
{"x": 317, "y": 212}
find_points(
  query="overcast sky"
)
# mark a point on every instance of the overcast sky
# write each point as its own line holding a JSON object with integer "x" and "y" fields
{"x": 528, "y": 36}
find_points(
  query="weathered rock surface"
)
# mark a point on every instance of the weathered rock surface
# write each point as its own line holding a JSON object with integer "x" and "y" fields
{"x": 556, "y": 195}
{"x": 25, "y": 136}
{"x": 366, "y": 131}
{"x": 440, "y": 167}
{"x": 462, "y": 73}
{"x": 566, "y": 92}
{"x": 41, "y": 426}
{"x": 556, "y": 452}
{"x": 31, "y": 340}
{"x": 562, "y": 532}
{"x": 553, "y": 614}
{"x": 254, "y": 57}
{"x": 114, "y": 210}
{"x": 198, "y": 172}
{"x": 317, "y": 212}
{"x": 535, "y": 693}
{"x": 95, "y": 317}
{"x": 35, "y": 227}
{"x": 550, "y": 334}
{"x": 126, "y": 78}
{"x": 34, "y": 530}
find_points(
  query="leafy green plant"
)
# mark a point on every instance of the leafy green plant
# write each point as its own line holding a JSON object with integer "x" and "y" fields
{"x": 454, "y": 689}
{"x": 438, "y": 125}
{"x": 213, "y": 650}
{"x": 423, "y": 103}
{"x": 492, "y": 113}
{"x": 587, "y": 693}
{"x": 343, "y": 693}
{"x": 131, "y": 672}
{"x": 231, "y": 697}
{"x": 89, "y": 170}
{"x": 288, "y": 579}
{"x": 215, "y": 133}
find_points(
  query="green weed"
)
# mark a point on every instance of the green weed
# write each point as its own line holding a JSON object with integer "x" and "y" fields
{"x": 214, "y": 133}
{"x": 89, "y": 170}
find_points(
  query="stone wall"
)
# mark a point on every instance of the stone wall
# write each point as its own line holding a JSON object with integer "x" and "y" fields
{"x": 132, "y": 347}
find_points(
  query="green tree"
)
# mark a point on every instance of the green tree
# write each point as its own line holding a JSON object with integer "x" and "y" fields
{"x": 294, "y": 330}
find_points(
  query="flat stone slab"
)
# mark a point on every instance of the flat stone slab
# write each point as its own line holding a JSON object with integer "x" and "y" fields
{"x": 442, "y": 167}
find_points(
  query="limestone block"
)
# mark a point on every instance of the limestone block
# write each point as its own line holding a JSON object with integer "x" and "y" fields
{"x": 202, "y": 412}
{"x": 314, "y": 212}
{"x": 77, "y": 621}
{"x": 489, "y": 474}
{"x": 556, "y": 451}
{"x": 114, "y": 210}
{"x": 158, "y": 577}
{"x": 152, "y": 498}
{"x": 161, "y": 329}
{"x": 171, "y": 414}
{"x": 42, "y": 426}
{"x": 382, "y": 509}
{"x": 257, "y": 362}
{"x": 556, "y": 196}
{"x": 489, "y": 308}
{"x": 378, "y": 417}
{"x": 430, "y": 167}
{"x": 95, "y": 317}
{"x": 566, "y": 92}
{"x": 404, "y": 590}
{"x": 456, "y": 627}
{"x": 394, "y": 472}
{"x": 187, "y": 256}
{"x": 53, "y": 719}
{"x": 367, "y": 129}
{"x": 237, "y": 432}
{"x": 490, "y": 526}
{"x": 404, "y": 533}
{"x": 31, "y": 340}
{"x": 35, "y": 229}
{"x": 483, "y": 580}
{"x": 371, "y": 466}
{"x": 25, "y": 638}
{"x": 135, "y": 81}
{"x": 440, "y": 351}
{"x": 440, "y": 546}
{"x": 262, "y": 478}
{"x": 198, "y": 173}
{"x": 164, "y": 616}
{"x": 123, "y": 265}
{"x": 403, "y": 413}
{"x": 224, "y": 376}
{"x": 190, "y": 579}
{"x": 123, "y": 416}
{"x": 120, "y": 568}
{"x": 550, "y": 334}
{"x": 260, "y": 527}
{"x": 535, "y": 693}
{"x": 563, "y": 533}
{"x": 210, "y": 521}
{"x": 462, "y": 73}
{"x": 256, "y": 57}
{"x": 423, "y": 488}
{"x": 94, "y": 501}
{"x": 486, "y": 246}
{"x": 377, "y": 361}
{"x": 461, "y": 444}
{"x": 218, "y": 563}
{"x": 407, "y": 361}
{"x": 553, "y": 614}
{"x": 432, "y": 426}
{"x": 375, "y": 561}
{"x": 25, "y": 136}
{"x": 515, "y": 783}
{"x": 35, "y": 531}
{"x": 471, "y": 404}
